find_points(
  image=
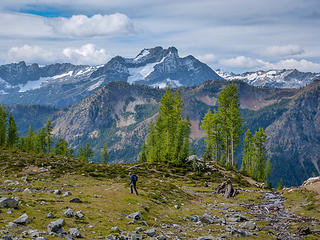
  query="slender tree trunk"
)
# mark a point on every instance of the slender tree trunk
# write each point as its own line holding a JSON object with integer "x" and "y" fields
{"x": 232, "y": 152}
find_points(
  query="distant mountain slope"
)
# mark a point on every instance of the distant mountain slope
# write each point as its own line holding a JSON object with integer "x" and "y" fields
{"x": 286, "y": 78}
{"x": 61, "y": 85}
{"x": 119, "y": 113}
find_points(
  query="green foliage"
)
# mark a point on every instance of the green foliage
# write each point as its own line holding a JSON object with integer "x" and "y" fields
{"x": 3, "y": 125}
{"x": 168, "y": 136}
{"x": 280, "y": 185}
{"x": 12, "y": 132}
{"x": 223, "y": 128}
{"x": 85, "y": 153}
{"x": 254, "y": 161}
{"x": 104, "y": 153}
{"x": 61, "y": 148}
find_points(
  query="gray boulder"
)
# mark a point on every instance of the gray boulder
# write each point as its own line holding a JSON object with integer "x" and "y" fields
{"x": 56, "y": 226}
{"x": 207, "y": 219}
{"x": 75, "y": 200}
{"x": 151, "y": 232}
{"x": 79, "y": 214}
{"x": 8, "y": 202}
{"x": 22, "y": 220}
{"x": 66, "y": 194}
{"x": 135, "y": 216}
{"x": 111, "y": 237}
{"x": 74, "y": 232}
{"x": 50, "y": 215}
{"x": 240, "y": 233}
{"x": 194, "y": 218}
{"x": 250, "y": 225}
{"x": 68, "y": 213}
{"x": 57, "y": 192}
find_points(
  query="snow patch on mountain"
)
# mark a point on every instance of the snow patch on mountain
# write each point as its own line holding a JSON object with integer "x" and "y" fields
{"x": 140, "y": 73}
{"x": 63, "y": 75}
{"x": 167, "y": 83}
{"x": 84, "y": 71}
{"x": 31, "y": 85}
{"x": 144, "y": 53}
{"x": 96, "y": 85}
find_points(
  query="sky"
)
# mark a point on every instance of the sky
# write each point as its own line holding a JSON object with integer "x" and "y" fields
{"x": 231, "y": 35}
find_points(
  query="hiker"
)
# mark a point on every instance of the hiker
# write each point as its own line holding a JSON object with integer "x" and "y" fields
{"x": 133, "y": 182}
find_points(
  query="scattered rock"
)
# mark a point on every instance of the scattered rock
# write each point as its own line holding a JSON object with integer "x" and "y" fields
{"x": 57, "y": 192}
{"x": 68, "y": 213}
{"x": 9, "y": 211}
{"x": 207, "y": 219}
{"x": 66, "y": 194}
{"x": 115, "y": 229}
{"x": 7, "y": 237}
{"x": 250, "y": 225}
{"x": 50, "y": 215}
{"x": 75, "y": 200}
{"x": 237, "y": 218}
{"x": 11, "y": 225}
{"x": 8, "y": 203}
{"x": 139, "y": 229}
{"x": 135, "y": 216}
{"x": 240, "y": 233}
{"x": 177, "y": 206}
{"x": 151, "y": 232}
{"x": 205, "y": 238}
{"x": 74, "y": 232}
{"x": 22, "y": 220}
{"x": 41, "y": 238}
{"x": 111, "y": 237}
{"x": 56, "y": 226}
{"x": 79, "y": 214}
{"x": 194, "y": 218}
{"x": 161, "y": 237}
{"x": 27, "y": 190}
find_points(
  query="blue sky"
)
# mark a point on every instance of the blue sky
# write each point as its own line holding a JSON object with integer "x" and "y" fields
{"x": 232, "y": 35}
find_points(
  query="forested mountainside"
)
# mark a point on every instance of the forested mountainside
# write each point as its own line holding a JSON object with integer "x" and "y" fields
{"x": 118, "y": 114}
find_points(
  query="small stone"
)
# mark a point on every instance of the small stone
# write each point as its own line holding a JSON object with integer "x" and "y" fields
{"x": 8, "y": 203}
{"x": 97, "y": 196}
{"x": 161, "y": 237}
{"x": 74, "y": 232}
{"x": 207, "y": 219}
{"x": 11, "y": 225}
{"x": 79, "y": 214}
{"x": 22, "y": 220}
{"x": 57, "y": 192}
{"x": 27, "y": 190}
{"x": 205, "y": 238}
{"x": 75, "y": 200}
{"x": 250, "y": 225}
{"x": 41, "y": 238}
{"x": 9, "y": 211}
{"x": 194, "y": 218}
{"x": 7, "y": 237}
{"x": 240, "y": 233}
{"x": 139, "y": 229}
{"x": 177, "y": 206}
{"x": 68, "y": 213}
{"x": 55, "y": 226}
{"x": 50, "y": 215}
{"x": 151, "y": 232}
{"x": 66, "y": 194}
{"x": 111, "y": 237}
{"x": 115, "y": 229}
{"x": 135, "y": 216}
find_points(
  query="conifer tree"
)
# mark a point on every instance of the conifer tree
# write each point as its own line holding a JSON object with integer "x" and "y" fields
{"x": 168, "y": 136}
{"x": 85, "y": 153}
{"x": 12, "y": 132}
{"x": 48, "y": 128}
{"x": 3, "y": 125}
{"x": 30, "y": 140}
{"x": 61, "y": 148}
{"x": 104, "y": 153}
{"x": 248, "y": 153}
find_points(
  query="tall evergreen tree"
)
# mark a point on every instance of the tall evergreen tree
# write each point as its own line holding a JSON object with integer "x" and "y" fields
{"x": 48, "y": 128}
{"x": 248, "y": 153}
{"x": 61, "y": 148}
{"x": 12, "y": 132}
{"x": 168, "y": 136}
{"x": 3, "y": 125}
{"x": 85, "y": 153}
{"x": 104, "y": 153}
{"x": 30, "y": 140}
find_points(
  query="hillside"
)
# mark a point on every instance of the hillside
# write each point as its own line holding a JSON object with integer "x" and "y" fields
{"x": 119, "y": 114}
{"x": 173, "y": 202}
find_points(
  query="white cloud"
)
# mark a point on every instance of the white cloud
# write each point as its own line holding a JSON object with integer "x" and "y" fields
{"x": 242, "y": 62}
{"x": 30, "y": 54}
{"x": 207, "y": 58}
{"x": 302, "y": 65}
{"x": 86, "y": 54}
{"x": 97, "y": 25}
{"x": 281, "y": 51}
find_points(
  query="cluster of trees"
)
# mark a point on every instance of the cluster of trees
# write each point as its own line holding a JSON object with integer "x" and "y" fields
{"x": 254, "y": 161}
{"x": 40, "y": 141}
{"x": 223, "y": 129}
{"x": 168, "y": 136}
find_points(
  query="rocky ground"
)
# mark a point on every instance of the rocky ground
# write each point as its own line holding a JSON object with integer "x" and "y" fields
{"x": 47, "y": 197}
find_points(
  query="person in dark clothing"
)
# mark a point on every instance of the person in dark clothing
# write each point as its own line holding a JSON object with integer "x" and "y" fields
{"x": 133, "y": 182}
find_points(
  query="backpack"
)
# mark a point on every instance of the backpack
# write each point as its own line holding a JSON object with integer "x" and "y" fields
{"x": 134, "y": 178}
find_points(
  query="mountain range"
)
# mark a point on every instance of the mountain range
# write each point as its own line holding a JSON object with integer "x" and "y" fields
{"x": 64, "y": 84}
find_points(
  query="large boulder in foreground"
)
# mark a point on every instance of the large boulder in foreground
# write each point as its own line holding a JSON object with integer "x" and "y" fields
{"x": 6, "y": 202}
